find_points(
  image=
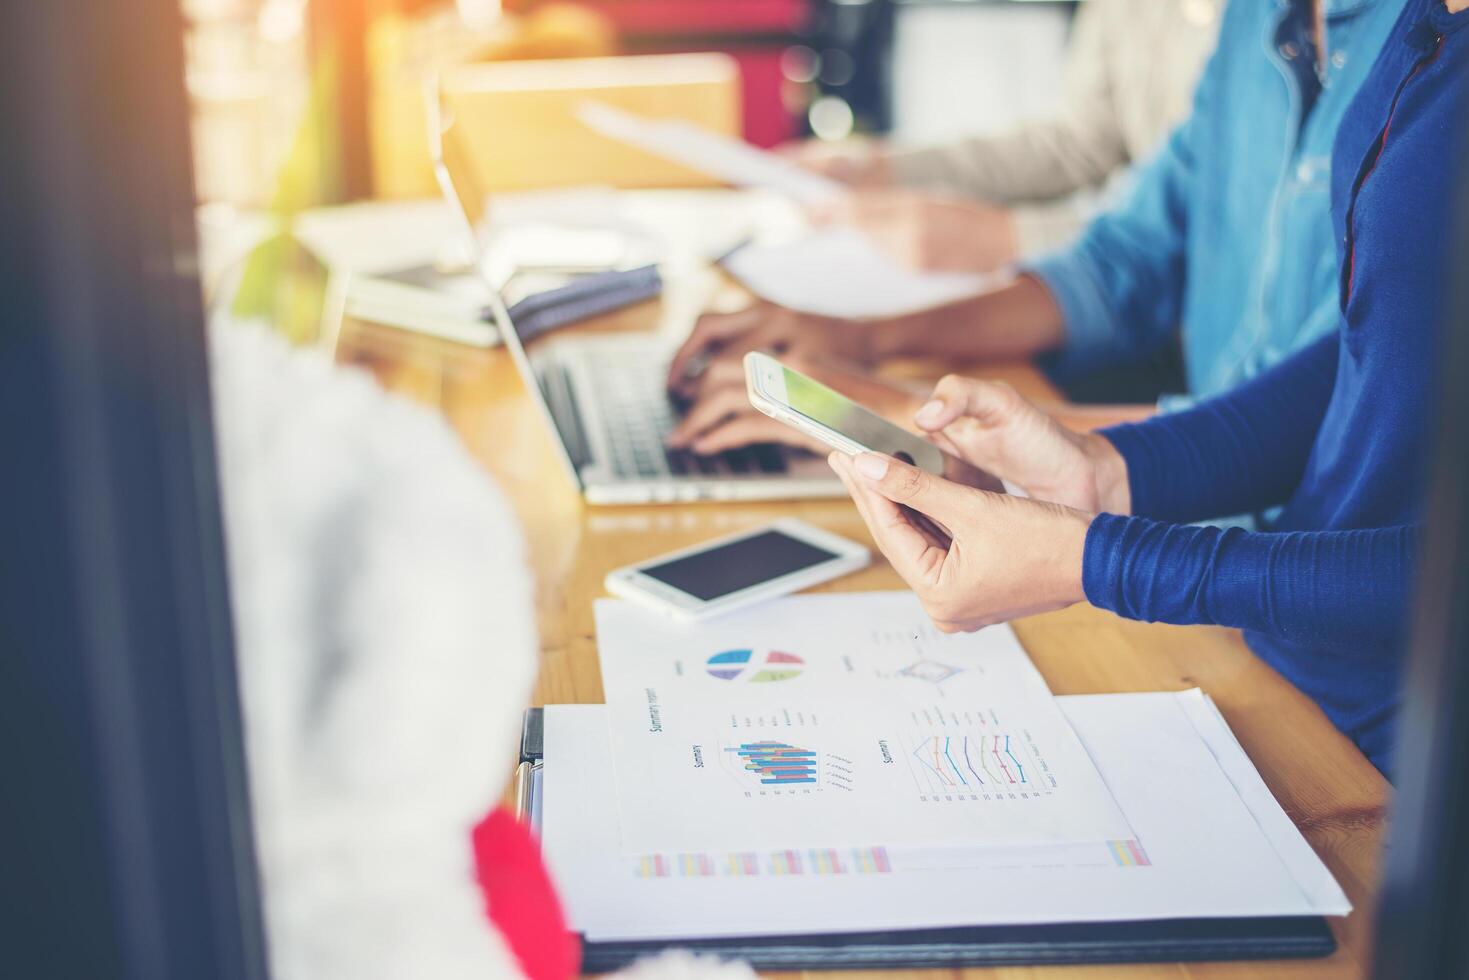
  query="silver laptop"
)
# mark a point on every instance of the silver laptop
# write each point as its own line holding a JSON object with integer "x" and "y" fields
{"x": 603, "y": 396}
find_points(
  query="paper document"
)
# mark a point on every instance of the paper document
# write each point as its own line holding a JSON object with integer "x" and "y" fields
{"x": 825, "y": 720}
{"x": 730, "y": 160}
{"x": 1206, "y": 847}
{"x": 839, "y": 272}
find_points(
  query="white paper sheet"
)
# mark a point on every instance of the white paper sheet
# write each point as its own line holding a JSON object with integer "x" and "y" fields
{"x": 1292, "y": 848}
{"x": 731, "y": 160}
{"x": 837, "y": 720}
{"x": 839, "y": 272}
{"x": 1208, "y": 851}
{"x": 836, "y": 272}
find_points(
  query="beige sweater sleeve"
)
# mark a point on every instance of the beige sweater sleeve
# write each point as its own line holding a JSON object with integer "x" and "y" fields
{"x": 1045, "y": 159}
{"x": 1129, "y": 79}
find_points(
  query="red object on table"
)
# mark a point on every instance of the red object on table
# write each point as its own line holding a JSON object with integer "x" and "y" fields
{"x": 521, "y": 900}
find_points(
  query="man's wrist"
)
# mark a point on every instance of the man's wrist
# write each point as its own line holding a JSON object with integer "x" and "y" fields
{"x": 1018, "y": 319}
{"x": 888, "y": 338}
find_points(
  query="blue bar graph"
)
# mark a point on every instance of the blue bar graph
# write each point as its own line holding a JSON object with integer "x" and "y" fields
{"x": 777, "y": 763}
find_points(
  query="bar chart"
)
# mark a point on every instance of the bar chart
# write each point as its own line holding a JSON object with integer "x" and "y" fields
{"x": 773, "y": 763}
{"x": 775, "y": 768}
{"x": 778, "y": 863}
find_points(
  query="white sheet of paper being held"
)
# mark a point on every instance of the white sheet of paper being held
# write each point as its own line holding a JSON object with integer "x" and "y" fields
{"x": 838, "y": 720}
{"x": 1205, "y": 848}
{"x": 730, "y": 160}
{"x": 836, "y": 272}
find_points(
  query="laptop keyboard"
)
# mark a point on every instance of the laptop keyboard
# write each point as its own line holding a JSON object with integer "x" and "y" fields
{"x": 644, "y": 416}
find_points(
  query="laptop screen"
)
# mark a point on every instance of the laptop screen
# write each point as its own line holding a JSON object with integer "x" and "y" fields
{"x": 462, "y": 191}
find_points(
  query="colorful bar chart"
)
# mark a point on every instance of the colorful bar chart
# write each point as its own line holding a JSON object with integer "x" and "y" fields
{"x": 1128, "y": 854}
{"x": 776, "y": 763}
{"x": 813, "y": 861}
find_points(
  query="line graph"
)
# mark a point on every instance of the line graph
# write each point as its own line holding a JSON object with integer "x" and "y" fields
{"x": 978, "y": 766}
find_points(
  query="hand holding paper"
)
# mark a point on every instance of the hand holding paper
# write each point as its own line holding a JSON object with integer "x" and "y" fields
{"x": 730, "y": 160}
{"x": 836, "y": 272}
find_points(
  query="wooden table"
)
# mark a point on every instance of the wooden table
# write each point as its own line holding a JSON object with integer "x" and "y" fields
{"x": 1328, "y": 787}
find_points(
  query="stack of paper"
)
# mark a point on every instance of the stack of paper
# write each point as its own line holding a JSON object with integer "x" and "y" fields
{"x": 831, "y": 763}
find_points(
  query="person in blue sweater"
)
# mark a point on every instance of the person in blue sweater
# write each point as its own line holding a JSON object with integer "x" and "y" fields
{"x": 1336, "y": 436}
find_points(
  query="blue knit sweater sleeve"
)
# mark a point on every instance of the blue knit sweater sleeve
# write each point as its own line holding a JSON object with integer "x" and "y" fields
{"x": 1325, "y": 588}
{"x": 1238, "y": 453}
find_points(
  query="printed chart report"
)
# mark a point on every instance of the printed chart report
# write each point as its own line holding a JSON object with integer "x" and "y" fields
{"x": 838, "y": 722}
{"x": 1210, "y": 841}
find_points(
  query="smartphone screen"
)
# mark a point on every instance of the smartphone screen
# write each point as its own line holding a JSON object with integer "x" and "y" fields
{"x": 842, "y": 415}
{"x": 872, "y": 432}
{"x": 738, "y": 565}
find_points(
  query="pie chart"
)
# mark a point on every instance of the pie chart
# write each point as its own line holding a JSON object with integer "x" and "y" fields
{"x": 755, "y": 666}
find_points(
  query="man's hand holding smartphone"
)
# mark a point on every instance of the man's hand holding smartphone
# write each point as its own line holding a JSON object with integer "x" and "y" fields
{"x": 824, "y": 415}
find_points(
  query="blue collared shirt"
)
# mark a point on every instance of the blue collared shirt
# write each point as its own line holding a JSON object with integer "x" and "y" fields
{"x": 1339, "y": 432}
{"x": 1227, "y": 231}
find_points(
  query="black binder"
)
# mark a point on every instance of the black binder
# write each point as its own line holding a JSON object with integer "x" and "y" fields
{"x": 1154, "y": 941}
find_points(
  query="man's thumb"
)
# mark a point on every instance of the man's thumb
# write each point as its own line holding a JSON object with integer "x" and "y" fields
{"x": 908, "y": 485}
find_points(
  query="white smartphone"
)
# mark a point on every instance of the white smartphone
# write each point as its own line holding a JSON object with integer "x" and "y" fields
{"x": 789, "y": 396}
{"x": 728, "y": 573}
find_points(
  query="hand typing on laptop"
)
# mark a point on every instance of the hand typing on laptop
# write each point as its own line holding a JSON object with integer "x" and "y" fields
{"x": 707, "y": 376}
{"x": 727, "y": 337}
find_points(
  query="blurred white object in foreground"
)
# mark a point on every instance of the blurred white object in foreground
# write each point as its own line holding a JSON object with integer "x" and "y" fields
{"x": 386, "y": 645}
